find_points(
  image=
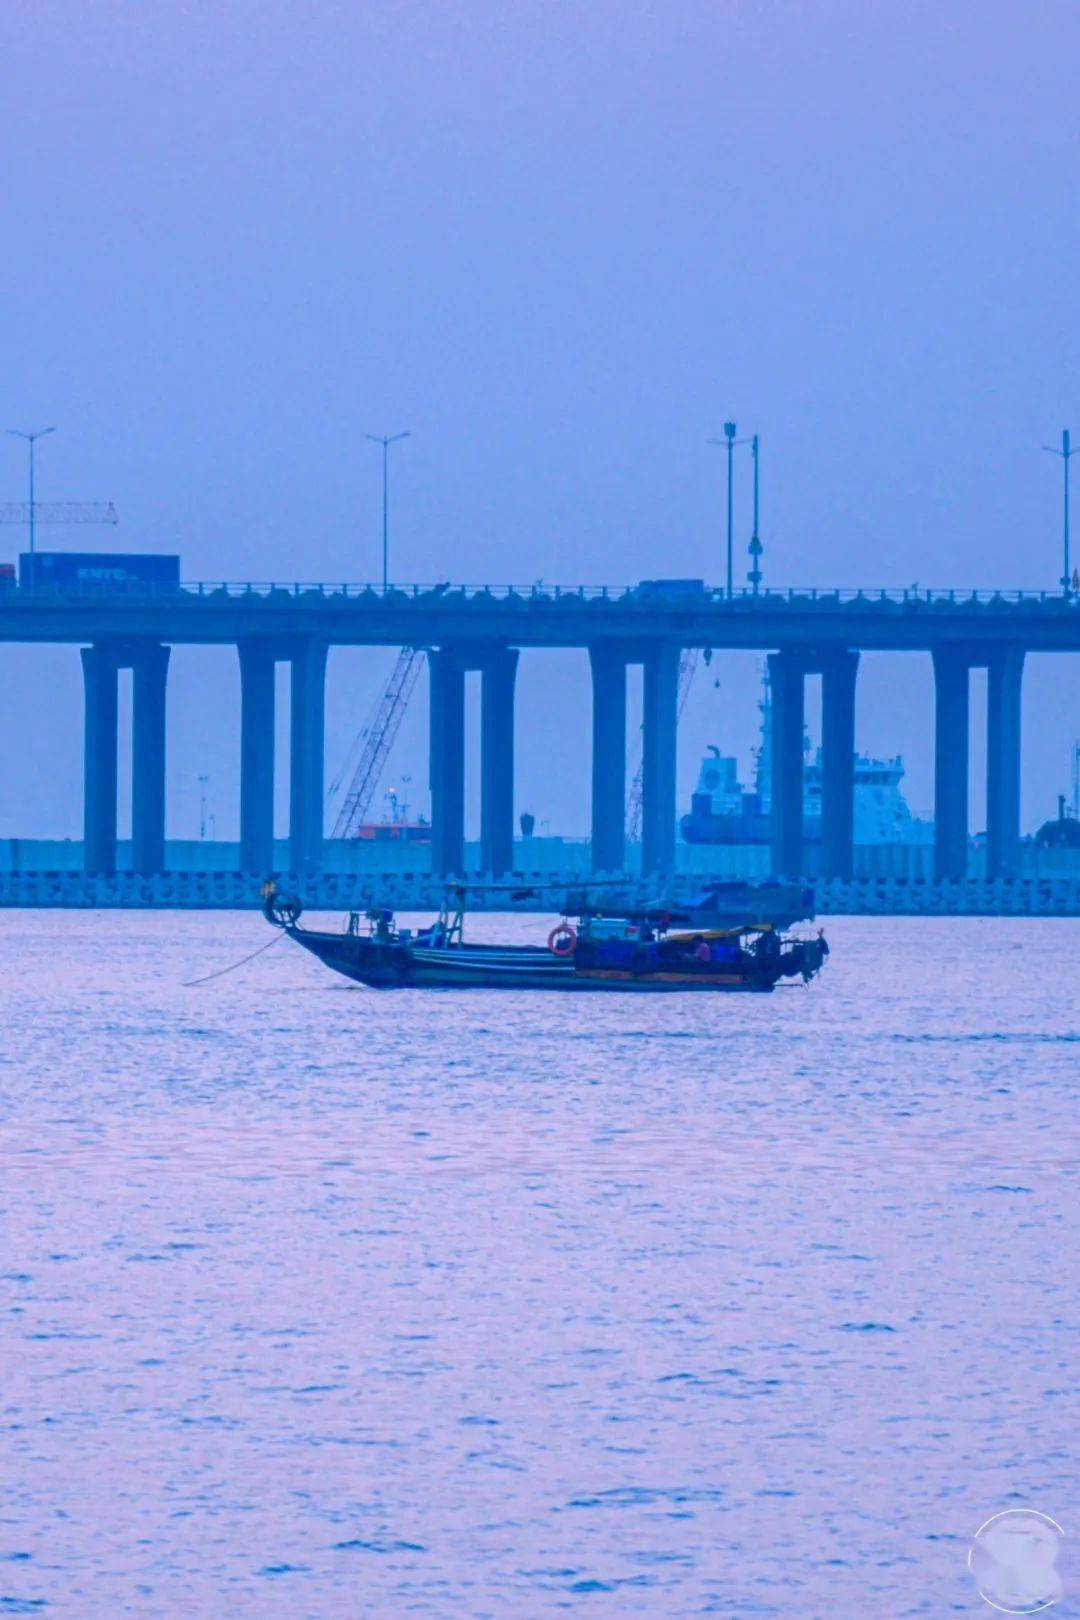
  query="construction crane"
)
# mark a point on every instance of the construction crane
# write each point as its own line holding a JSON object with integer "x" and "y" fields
{"x": 687, "y": 667}
{"x": 58, "y": 512}
{"x": 375, "y": 742}
{"x": 33, "y": 513}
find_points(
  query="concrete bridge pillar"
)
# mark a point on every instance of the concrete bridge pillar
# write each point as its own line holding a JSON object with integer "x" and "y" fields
{"x": 497, "y": 677}
{"x": 149, "y": 664}
{"x": 100, "y": 666}
{"x": 257, "y": 664}
{"x": 838, "y": 674}
{"x": 660, "y": 734}
{"x": 787, "y": 708}
{"x": 447, "y": 733}
{"x": 952, "y": 667}
{"x": 1004, "y": 679}
{"x": 150, "y": 668}
{"x": 608, "y": 758}
{"x": 306, "y": 756}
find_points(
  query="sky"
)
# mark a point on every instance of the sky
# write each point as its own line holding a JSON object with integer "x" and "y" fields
{"x": 560, "y": 244}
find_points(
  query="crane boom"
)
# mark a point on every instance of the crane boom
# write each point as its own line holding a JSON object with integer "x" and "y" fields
{"x": 687, "y": 667}
{"x": 377, "y": 738}
{"x": 59, "y": 512}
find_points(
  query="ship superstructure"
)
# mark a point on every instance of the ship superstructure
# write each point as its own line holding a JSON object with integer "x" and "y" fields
{"x": 723, "y": 811}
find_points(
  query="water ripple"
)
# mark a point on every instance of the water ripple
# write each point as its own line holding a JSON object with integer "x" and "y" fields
{"x": 321, "y": 1303}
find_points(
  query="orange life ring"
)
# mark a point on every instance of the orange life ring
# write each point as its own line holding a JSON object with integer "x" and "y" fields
{"x": 562, "y": 939}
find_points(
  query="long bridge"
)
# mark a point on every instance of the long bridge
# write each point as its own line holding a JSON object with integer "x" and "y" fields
{"x": 484, "y": 628}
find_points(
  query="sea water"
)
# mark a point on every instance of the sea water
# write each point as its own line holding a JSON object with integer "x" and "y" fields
{"x": 324, "y": 1302}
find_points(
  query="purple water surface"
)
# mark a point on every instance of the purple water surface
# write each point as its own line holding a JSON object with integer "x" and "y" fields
{"x": 319, "y": 1302}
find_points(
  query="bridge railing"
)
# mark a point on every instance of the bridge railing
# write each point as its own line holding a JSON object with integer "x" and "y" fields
{"x": 651, "y": 594}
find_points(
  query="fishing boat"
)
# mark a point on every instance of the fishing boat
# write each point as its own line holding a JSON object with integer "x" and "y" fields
{"x": 644, "y": 951}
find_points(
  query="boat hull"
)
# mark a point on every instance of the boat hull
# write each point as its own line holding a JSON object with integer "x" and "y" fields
{"x": 393, "y": 966}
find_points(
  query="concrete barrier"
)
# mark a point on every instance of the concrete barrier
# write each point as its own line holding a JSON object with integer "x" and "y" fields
{"x": 525, "y": 891}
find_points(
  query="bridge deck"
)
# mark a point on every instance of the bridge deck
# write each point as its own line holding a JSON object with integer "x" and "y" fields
{"x": 543, "y": 616}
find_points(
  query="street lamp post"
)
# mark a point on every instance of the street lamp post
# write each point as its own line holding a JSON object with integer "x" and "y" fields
{"x": 1066, "y": 453}
{"x": 730, "y": 441}
{"x": 31, "y": 439}
{"x": 755, "y": 547}
{"x": 386, "y": 440}
{"x": 729, "y": 434}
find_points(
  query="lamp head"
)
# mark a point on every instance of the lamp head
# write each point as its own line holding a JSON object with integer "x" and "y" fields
{"x": 38, "y": 433}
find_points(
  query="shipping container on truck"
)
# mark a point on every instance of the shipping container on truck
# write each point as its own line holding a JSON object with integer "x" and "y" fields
{"x": 671, "y": 589}
{"x": 98, "y": 570}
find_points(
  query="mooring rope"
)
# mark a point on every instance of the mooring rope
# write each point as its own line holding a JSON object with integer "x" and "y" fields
{"x": 187, "y": 984}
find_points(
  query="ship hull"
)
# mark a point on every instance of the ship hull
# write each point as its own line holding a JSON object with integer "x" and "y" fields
{"x": 395, "y": 966}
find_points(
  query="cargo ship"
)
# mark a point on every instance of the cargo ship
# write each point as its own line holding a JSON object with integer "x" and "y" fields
{"x": 723, "y": 811}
